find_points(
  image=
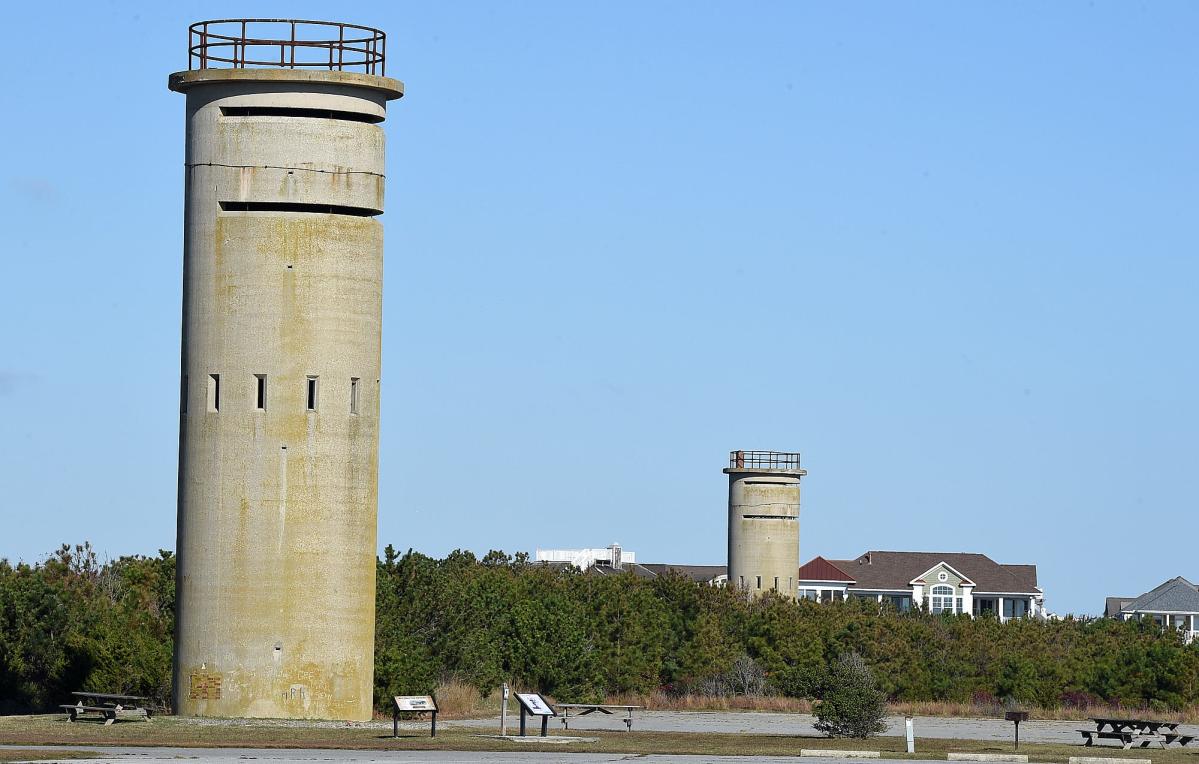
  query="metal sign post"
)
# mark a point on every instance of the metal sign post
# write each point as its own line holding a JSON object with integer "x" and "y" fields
{"x": 417, "y": 704}
{"x": 504, "y": 710}
{"x": 909, "y": 723}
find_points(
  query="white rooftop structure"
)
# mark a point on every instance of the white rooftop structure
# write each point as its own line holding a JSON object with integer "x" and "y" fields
{"x": 611, "y": 556}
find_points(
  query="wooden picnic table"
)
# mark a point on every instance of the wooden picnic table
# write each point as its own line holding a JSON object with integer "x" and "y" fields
{"x": 591, "y": 708}
{"x": 1130, "y": 732}
{"x": 1140, "y": 726}
{"x": 107, "y": 706}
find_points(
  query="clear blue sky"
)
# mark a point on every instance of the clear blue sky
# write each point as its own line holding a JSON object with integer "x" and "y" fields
{"x": 947, "y": 251}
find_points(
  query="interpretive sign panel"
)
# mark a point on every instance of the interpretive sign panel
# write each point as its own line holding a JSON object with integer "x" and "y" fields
{"x": 420, "y": 703}
{"x": 535, "y": 704}
{"x": 415, "y": 703}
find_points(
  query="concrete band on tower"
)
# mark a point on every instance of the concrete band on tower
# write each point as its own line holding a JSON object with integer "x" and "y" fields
{"x": 279, "y": 410}
{"x": 764, "y": 521}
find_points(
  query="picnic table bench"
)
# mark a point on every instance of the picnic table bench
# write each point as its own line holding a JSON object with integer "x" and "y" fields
{"x": 1141, "y": 733}
{"x": 107, "y": 706}
{"x": 591, "y": 708}
{"x": 1140, "y": 726}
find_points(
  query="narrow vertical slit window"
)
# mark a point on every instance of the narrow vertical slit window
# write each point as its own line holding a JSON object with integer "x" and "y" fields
{"x": 740, "y": 582}
{"x": 260, "y": 392}
{"x": 214, "y": 392}
{"x": 776, "y": 583}
{"x": 311, "y": 393}
{"x": 759, "y": 582}
{"x": 354, "y": 387}
{"x": 183, "y": 395}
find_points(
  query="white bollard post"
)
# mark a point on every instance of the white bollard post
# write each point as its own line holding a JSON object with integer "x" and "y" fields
{"x": 911, "y": 734}
{"x": 504, "y": 711}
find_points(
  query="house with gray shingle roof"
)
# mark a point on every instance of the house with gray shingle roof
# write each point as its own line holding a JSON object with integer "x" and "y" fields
{"x": 1174, "y": 604}
{"x": 941, "y": 582}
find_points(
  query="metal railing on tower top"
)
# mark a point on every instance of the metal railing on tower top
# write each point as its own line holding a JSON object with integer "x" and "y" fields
{"x": 285, "y": 44}
{"x": 763, "y": 460}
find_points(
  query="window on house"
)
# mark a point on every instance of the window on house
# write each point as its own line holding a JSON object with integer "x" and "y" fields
{"x": 311, "y": 397}
{"x": 901, "y": 602}
{"x": 214, "y": 392}
{"x": 354, "y": 394}
{"x": 260, "y": 392}
{"x": 809, "y": 594}
{"x": 1014, "y": 608}
{"x": 984, "y": 605}
{"x": 942, "y": 599}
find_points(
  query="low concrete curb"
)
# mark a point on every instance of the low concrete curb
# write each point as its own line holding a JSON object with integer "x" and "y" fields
{"x": 1016, "y": 757}
{"x": 841, "y": 754}
{"x": 1102, "y": 760}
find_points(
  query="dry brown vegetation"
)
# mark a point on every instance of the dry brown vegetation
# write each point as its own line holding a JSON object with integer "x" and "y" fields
{"x": 660, "y": 701}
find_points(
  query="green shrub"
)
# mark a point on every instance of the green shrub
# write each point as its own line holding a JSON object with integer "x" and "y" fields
{"x": 850, "y": 703}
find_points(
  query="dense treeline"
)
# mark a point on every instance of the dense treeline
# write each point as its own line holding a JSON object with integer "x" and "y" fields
{"x": 582, "y": 636}
{"x": 71, "y": 622}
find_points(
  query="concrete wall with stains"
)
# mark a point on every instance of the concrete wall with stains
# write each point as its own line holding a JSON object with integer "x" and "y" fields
{"x": 764, "y": 530}
{"x": 277, "y": 502}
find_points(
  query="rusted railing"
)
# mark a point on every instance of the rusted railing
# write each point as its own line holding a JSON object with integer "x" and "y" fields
{"x": 763, "y": 460}
{"x": 285, "y": 44}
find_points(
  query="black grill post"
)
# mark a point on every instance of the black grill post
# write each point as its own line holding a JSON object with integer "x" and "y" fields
{"x": 1017, "y": 717}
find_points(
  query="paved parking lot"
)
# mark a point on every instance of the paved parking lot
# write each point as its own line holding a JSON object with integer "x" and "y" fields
{"x": 802, "y": 724}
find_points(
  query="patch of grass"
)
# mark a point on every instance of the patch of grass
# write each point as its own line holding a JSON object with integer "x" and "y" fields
{"x": 174, "y": 731}
{"x": 33, "y": 754}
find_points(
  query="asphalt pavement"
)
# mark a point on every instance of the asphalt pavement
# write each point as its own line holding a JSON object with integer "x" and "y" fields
{"x": 803, "y": 724}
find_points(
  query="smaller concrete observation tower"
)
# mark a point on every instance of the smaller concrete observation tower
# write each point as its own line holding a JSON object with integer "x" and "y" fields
{"x": 764, "y": 521}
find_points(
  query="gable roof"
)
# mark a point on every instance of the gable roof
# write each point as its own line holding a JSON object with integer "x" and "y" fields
{"x": 700, "y": 573}
{"x": 1177, "y": 595}
{"x": 1113, "y": 605}
{"x": 820, "y": 569}
{"x": 895, "y": 570}
{"x": 920, "y": 578}
{"x": 628, "y": 567}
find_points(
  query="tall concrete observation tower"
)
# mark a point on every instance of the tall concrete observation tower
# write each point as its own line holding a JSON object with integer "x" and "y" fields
{"x": 279, "y": 425}
{"x": 764, "y": 521}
